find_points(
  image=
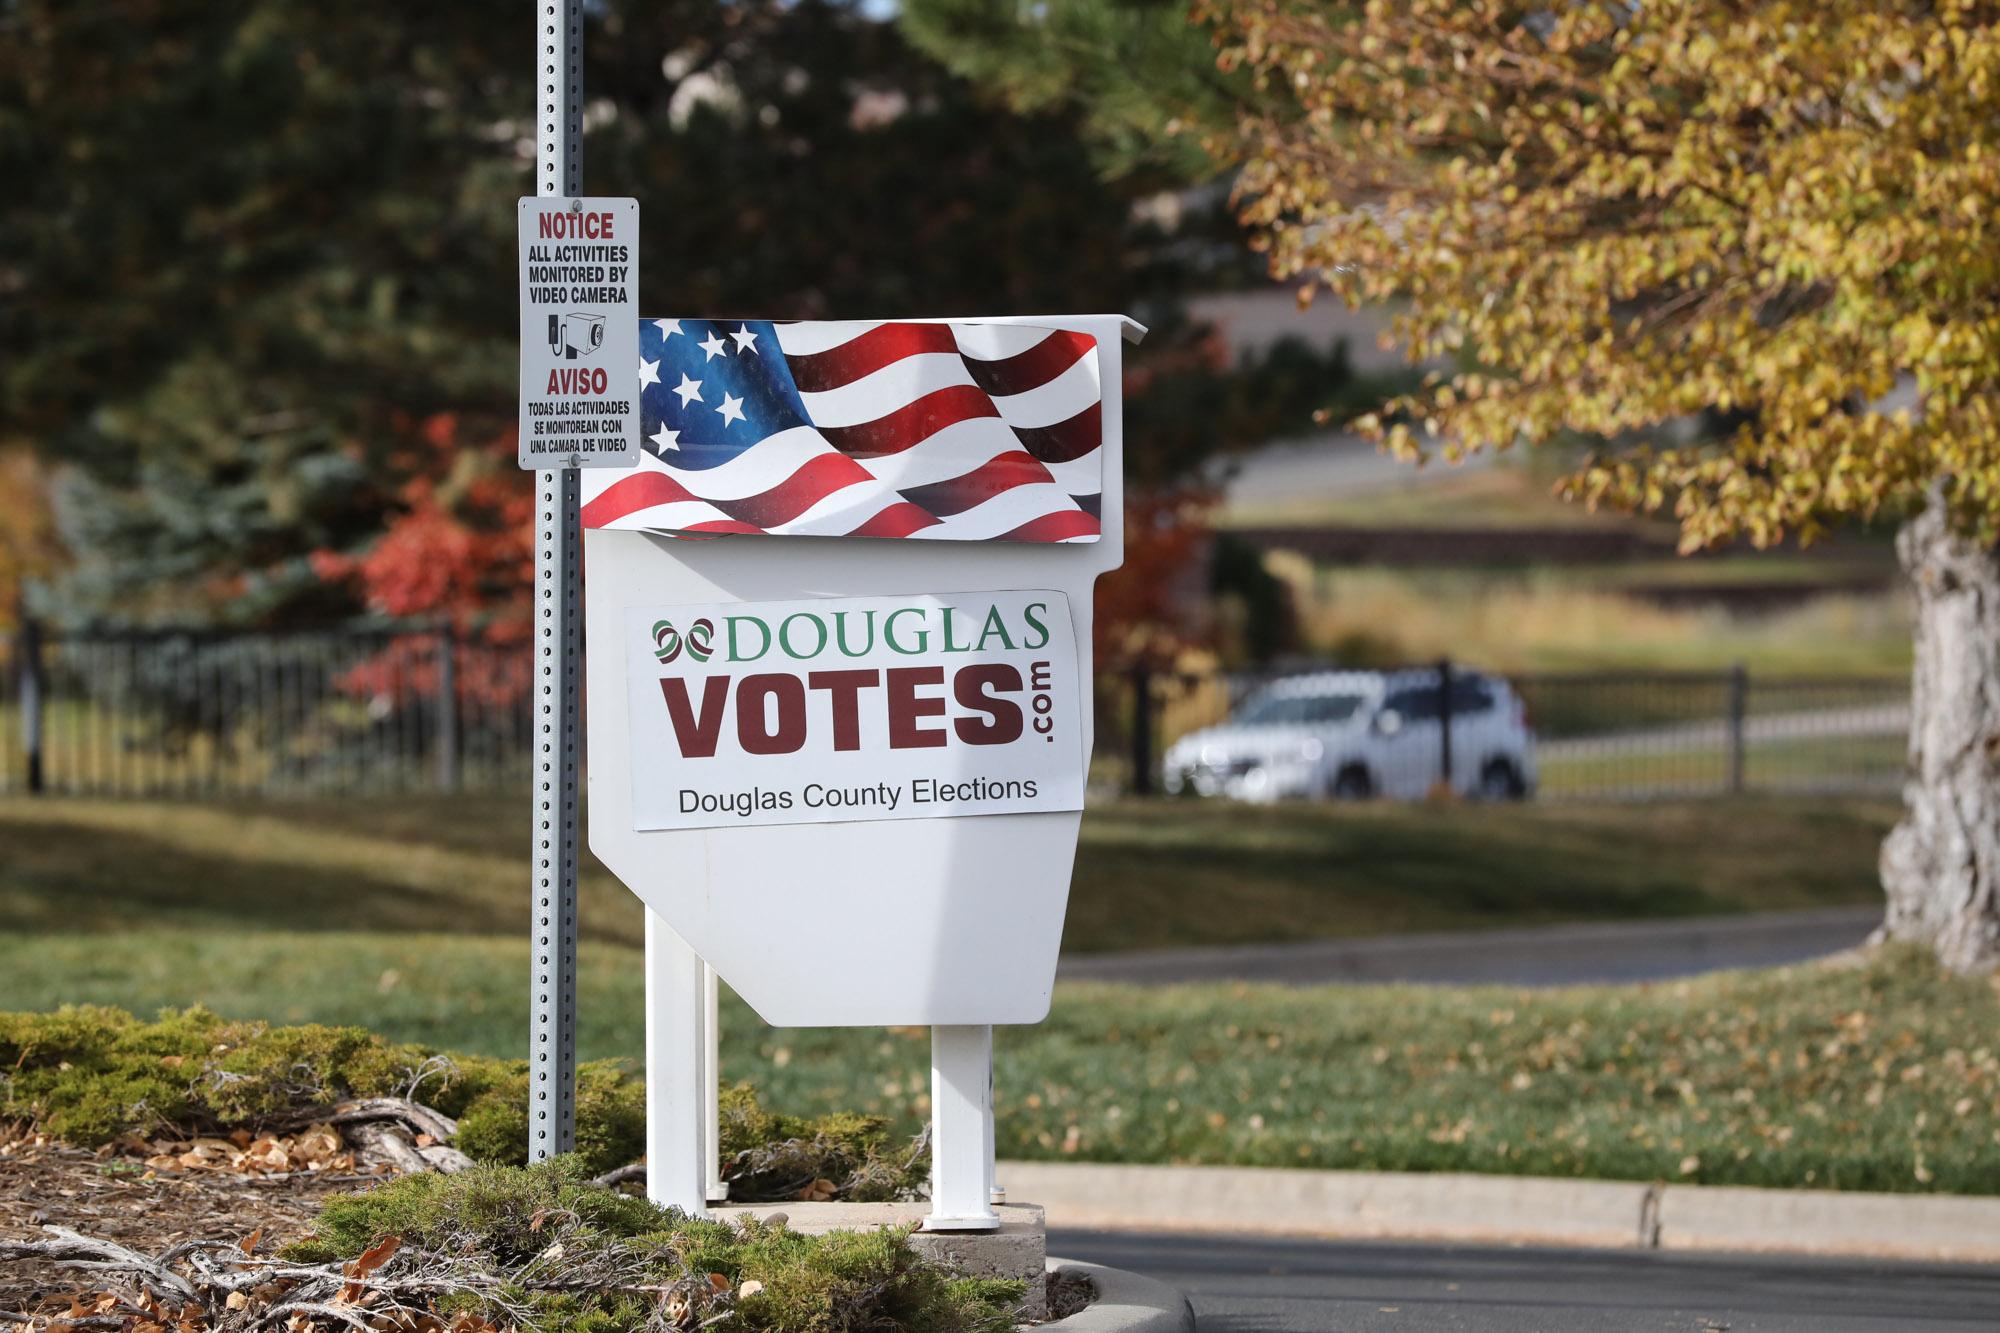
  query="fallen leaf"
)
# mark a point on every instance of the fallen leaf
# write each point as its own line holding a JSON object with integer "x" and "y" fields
{"x": 374, "y": 1258}
{"x": 369, "y": 1260}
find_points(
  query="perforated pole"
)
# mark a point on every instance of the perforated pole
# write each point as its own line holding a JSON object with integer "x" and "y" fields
{"x": 558, "y": 647}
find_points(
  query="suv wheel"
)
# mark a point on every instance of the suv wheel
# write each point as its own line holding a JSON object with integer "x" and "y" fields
{"x": 1352, "y": 784}
{"x": 1501, "y": 781}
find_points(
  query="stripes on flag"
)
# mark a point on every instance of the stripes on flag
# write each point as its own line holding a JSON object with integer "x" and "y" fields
{"x": 954, "y": 432}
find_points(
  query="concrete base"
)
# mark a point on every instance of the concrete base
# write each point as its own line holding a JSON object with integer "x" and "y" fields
{"x": 1018, "y": 1250}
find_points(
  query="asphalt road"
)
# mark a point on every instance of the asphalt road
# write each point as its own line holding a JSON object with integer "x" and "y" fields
{"x": 1539, "y": 956}
{"x": 1262, "y": 1285}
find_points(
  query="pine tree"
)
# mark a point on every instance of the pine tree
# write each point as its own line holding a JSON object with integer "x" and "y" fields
{"x": 243, "y": 250}
{"x": 258, "y": 257}
{"x": 1140, "y": 77}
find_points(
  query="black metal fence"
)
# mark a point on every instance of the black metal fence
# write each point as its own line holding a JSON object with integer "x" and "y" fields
{"x": 1693, "y": 733}
{"x": 415, "y": 707}
{"x": 196, "y": 713}
{"x": 1630, "y": 735}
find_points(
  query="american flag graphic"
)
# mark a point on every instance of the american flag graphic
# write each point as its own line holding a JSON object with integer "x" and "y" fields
{"x": 959, "y": 432}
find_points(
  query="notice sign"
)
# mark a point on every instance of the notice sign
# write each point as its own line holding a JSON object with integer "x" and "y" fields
{"x": 579, "y": 332}
{"x": 834, "y": 709}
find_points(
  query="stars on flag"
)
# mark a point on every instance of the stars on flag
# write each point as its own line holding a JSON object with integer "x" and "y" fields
{"x": 731, "y": 409}
{"x": 649, "y": 372}
{"x": 667, "y": 327}
{"x": 746, "y": 341}
{"x": 666, "y": 439}
{"x": 714, "y": 346}
{"x": 689, "y": 390}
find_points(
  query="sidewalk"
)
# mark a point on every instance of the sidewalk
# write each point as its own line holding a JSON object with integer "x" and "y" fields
{"x": 1602, "y": 1214}
{"x": 1619, "y": 951}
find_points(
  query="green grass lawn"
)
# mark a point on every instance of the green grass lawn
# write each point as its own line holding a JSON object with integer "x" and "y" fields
{"x": 1795, "y": 762}
{"x": 1211, "y": 872}
{"x": 1148, "y": 875}
{"x": 406, "y": 917}
{"x": 1880, "y": 1075}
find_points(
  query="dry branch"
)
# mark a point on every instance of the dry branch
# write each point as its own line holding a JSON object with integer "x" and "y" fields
{"x": 317, "y": 1310}
{"x": 216, "y": 1278}
{"x": 73, "y": 1250}
{"x": 380, "y": 1142}
{"x": 443, "y": 1157}
{"x": 388, "y": 1129}
{"x": 618, "y": 1175}
{"x": 419, "y": 1118}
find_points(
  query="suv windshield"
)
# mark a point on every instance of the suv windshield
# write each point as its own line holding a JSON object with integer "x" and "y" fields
{"x": 1294, "y": 709}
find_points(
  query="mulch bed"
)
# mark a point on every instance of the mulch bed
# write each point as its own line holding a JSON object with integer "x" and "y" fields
{"x": 115, "y": 1196}
{"x": 151, "y": 1197}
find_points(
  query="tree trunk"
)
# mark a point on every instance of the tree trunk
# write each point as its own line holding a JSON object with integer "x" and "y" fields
{"x": 1941, "y": 863}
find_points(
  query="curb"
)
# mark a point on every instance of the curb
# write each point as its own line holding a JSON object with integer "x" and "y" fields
{"x": 1963, "y": 1228}
{"x": 1126, "y": 1303}
{"x": 1592, "y": 1214}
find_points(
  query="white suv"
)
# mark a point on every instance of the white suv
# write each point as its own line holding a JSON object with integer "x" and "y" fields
{"x": 1355, "y": 734}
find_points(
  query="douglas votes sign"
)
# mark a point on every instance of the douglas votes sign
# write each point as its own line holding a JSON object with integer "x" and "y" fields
{"x": 861, "y": 708}
{"x": 864, "y": 687}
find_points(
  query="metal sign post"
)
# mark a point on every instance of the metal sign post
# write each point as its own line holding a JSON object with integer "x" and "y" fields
{"x": 579, "y": 379}
{"x": 558, "y": 648}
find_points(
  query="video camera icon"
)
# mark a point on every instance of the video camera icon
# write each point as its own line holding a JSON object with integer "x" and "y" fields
{"x": 575, "y": 334}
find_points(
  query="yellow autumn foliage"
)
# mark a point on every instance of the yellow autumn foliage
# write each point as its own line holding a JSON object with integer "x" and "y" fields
{"x": 1614, "y": 217}
{"x": 28, "y": 544}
